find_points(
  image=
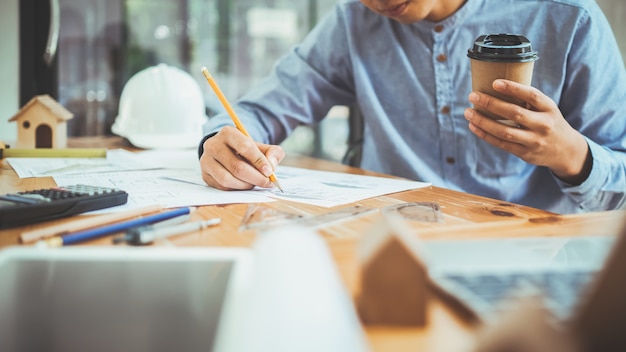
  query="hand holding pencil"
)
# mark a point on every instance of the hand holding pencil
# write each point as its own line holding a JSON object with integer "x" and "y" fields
{"x": 232, "y": 160}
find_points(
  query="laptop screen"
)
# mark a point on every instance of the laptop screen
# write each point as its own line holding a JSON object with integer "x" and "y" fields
{"x": 78, "y": 300}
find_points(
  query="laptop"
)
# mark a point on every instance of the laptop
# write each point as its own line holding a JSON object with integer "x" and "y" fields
{"x": 482, "y": 278}
{"x": 121, "y": 299}
{"x": 282, "y": 294}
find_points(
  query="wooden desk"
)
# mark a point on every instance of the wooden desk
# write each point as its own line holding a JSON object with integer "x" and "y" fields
{"x": 466, "y": 216}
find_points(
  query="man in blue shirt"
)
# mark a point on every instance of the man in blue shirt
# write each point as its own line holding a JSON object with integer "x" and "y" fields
{"x": 404, "y": 63}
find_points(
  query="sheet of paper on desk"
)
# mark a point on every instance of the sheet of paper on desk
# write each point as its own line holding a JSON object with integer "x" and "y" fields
{"x": 170, "y": 159}
{"x": 162, "y": 187}
{"x": 116, "y": 160}
{"x": 184, "y": 187}
{"x": 328, "y": 189}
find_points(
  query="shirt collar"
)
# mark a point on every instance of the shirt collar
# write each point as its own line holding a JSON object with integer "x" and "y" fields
{"x": 467, "y": 9}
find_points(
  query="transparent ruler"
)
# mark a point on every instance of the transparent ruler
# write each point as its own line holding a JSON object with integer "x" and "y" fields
{"x": 262, "y": 217}
{"x": 417, "y": 211}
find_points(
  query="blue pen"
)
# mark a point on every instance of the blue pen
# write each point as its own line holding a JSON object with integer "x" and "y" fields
{"x": 86, "y": 235}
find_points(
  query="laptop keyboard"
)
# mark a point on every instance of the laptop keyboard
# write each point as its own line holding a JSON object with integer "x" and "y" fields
{"x": 486, "y": 293}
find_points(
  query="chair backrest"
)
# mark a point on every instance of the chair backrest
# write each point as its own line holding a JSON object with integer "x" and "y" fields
{"x": 353, "y": 154}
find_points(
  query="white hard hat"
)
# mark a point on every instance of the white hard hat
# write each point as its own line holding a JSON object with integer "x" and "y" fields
{"x": 161, "y": 107}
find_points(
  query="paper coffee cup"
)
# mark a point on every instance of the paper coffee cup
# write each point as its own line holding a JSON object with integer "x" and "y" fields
{"x": 507, "y": 56}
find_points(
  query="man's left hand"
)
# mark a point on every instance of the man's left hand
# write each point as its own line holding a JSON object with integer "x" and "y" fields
{"x": 544, "y": 137}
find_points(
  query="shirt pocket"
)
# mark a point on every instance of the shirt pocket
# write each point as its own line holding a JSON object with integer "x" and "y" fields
{"x": 494, "y": 162}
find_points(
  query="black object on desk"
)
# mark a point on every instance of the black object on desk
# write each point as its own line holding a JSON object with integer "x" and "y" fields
{"x": 24, "y": 208}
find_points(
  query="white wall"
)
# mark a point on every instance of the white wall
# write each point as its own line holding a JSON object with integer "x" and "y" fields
{"x": 9, "y": 68}
{"x": 615, "y": 12}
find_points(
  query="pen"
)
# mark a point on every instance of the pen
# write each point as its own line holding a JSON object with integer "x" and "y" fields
{"x": 147, "y": 234}
{"x": 53, "y": 153}
{"x": 232, "y": 114}
{"x": 85, "y": 223}
{"x": 90, "y": 234}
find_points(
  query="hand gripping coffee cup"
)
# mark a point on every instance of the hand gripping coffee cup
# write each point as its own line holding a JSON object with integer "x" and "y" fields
{"x": 507, "y": 56}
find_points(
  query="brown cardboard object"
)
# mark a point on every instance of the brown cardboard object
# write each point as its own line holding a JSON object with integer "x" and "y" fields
{"x": 600, "y": 319}
{"x": 394, "y": 285}
{"x": 528, "y": 328}
{"x": 42, "y": 123}
{"x": 484, "y": 73}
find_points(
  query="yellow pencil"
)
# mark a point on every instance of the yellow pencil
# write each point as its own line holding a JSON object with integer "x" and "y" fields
{"x": 53, "y": 153}
{"x": 232, "y": 114}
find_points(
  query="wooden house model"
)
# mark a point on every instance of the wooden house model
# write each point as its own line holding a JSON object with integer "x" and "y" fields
{"x": 42, "y": 123}
{"x": 393, "y": 279}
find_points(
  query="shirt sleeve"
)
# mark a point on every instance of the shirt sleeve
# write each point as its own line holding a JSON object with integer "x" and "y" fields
{"x": 594, "y": 102}
{"x": 302, "y": 87}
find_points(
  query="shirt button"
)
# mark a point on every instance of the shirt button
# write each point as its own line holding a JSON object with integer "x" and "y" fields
{"x": 439, "y": 28}
{"x": 450, "y": 160}
{"x": 442, "y": 57}
{"x": 445, "y": 110}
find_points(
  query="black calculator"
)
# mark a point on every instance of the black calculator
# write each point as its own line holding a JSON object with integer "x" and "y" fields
{"x": 25, "y": 208}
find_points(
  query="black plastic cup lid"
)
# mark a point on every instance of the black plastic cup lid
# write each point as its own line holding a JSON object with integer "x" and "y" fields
{"x": 502, "y": 48}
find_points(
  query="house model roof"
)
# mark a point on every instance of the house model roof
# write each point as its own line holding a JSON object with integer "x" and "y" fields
{"x": 49, "y": 103}
{"x": 391, "y": 229}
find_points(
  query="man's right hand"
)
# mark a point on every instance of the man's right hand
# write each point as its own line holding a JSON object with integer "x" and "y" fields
{"x": 233, "y": 161}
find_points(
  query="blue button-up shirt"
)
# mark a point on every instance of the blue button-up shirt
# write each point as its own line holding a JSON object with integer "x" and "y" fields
{"x": 411, "y": 83}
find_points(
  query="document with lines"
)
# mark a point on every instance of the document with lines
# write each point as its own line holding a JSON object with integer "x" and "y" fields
{"x": 184, "y": 187}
